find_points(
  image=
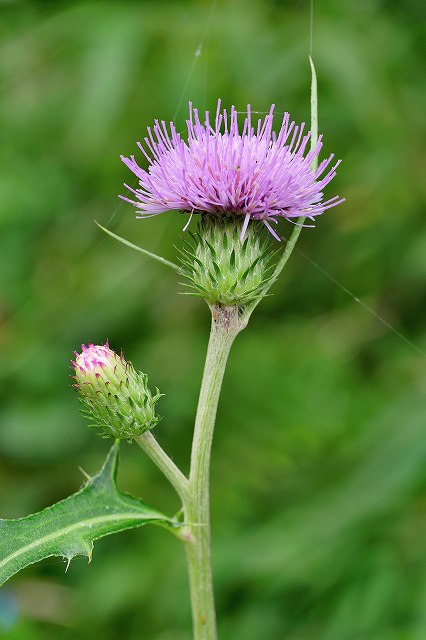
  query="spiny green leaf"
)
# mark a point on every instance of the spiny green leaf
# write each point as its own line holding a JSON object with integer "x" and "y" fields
{"x": 70, "y": 527}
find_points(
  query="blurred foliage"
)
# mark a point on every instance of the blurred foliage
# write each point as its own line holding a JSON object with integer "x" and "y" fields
{"x": 319, "y": 459}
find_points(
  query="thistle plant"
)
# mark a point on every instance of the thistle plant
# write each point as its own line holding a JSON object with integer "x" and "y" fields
{"x": 241, "y": 182}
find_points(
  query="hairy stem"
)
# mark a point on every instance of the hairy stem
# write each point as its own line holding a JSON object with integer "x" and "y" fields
{"x": 226, "y": 324}
{"x": 174, "y": 475}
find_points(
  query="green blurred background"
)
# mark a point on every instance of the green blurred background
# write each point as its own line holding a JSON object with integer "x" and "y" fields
{"x": 319, "y": 471}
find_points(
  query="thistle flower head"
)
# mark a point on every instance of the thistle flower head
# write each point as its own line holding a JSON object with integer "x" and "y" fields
{"x": 115, "y": 397}
{"x": 224, "y": 169}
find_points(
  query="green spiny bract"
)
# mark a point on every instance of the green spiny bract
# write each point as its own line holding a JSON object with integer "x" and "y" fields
{"x": 115, "y": 398}
{"x": 221, "y": 266}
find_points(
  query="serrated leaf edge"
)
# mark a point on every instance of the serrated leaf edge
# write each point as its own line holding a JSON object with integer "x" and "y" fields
{"x": 108, "y": 472}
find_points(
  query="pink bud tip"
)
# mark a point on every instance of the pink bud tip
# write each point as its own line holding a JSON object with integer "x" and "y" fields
{"x": 94, "y": 358}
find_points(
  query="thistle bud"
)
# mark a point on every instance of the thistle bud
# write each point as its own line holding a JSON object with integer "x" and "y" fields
{"x": 115, "y": 397}
{"x": 227, "y": 263}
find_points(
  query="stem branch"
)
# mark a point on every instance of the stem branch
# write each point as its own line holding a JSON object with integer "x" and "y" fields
{"x": 174, "y": 475}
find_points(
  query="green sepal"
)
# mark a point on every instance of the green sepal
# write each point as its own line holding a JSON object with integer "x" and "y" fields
{"x": 222, "y": 268}
{"x": 70, "y": 527}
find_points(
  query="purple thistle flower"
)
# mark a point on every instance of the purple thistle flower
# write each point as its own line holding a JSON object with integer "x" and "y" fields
{"x": 93, "y": 359}
{"x": 256, "y": 174}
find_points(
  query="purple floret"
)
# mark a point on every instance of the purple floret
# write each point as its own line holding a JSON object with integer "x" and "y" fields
{"x": 256, "y": 174}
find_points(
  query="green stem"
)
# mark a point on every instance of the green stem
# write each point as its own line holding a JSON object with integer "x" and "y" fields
{"x": 174, "y": 475}
{"x": 226, "y": 324}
